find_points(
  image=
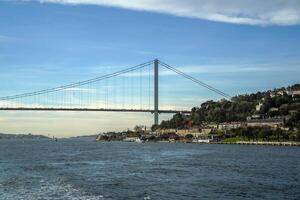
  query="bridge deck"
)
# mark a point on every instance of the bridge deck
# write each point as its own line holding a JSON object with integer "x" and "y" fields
{"x": 95, "y": 109}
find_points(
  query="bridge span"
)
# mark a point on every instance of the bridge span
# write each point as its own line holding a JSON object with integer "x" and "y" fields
{"x": 95, "y": 95}
{"x": 99, "y": 110}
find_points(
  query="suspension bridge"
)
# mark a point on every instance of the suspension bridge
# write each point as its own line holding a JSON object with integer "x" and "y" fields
{"x": 134, "y": 89}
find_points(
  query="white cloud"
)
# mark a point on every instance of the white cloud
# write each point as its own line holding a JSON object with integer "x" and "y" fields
{"x": 252, "y": 12}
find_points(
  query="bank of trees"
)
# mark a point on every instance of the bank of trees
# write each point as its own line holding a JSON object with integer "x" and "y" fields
{"x": 211, "y": 112}
{"x": 263, "y": 134}
{"x": 239, "y": 108}
{"x": 178, "y": 121}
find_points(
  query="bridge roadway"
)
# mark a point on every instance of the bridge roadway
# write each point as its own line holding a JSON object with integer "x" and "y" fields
{"x": 97, "y": 109}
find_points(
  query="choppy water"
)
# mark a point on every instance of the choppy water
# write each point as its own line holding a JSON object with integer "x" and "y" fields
{"x": 84, "y": 169}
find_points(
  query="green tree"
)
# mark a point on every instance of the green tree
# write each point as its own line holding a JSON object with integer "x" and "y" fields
{"x": 278, "y": 133}
{"x": 189, "y": 136}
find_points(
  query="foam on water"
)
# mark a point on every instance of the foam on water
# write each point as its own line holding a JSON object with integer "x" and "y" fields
{"x": 49, "y": 190}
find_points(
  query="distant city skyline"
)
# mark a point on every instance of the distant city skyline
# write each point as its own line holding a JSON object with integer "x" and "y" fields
{"x": 47, "y": 43}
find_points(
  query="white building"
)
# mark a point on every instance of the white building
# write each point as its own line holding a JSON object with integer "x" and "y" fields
{"x": 258, "y": 107}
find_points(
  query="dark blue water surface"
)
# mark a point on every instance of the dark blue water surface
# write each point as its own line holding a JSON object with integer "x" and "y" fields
{"x": 85, "y": 169}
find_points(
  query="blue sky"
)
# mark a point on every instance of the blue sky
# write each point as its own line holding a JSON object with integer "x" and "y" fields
{"x": 48, "y": 43}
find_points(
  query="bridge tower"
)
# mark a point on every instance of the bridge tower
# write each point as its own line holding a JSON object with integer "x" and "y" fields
{"x": 156, "y": 110}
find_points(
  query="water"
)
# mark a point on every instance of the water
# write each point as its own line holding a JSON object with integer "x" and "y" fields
{"x": 84, "y": 169}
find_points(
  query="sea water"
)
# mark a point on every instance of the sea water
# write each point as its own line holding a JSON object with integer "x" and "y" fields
{"x": 86, "y": 169}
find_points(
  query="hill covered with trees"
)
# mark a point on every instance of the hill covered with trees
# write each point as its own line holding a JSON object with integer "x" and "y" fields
{"x": 280, "y": 102}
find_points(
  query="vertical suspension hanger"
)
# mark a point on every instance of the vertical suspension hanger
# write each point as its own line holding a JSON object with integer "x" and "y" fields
{"x": 149, "y": 83}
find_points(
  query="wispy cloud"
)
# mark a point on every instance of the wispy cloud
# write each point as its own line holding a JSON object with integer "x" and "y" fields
{"x": 252, "y": 12}
{"x": 5, "y": 39}
{"x": 81, "y": 89}
{"x": 222, "y": 68}
{"x": 233, "y": 68}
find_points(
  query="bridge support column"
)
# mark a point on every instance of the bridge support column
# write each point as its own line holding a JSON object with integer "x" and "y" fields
{"x": 156, "y": 92}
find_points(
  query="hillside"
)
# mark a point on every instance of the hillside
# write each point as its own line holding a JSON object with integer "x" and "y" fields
{"x": 277, "y": 103}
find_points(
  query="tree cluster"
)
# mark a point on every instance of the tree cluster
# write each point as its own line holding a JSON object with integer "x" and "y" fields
{"x": 265, "y": 134}
{"x": 239, "y": 108}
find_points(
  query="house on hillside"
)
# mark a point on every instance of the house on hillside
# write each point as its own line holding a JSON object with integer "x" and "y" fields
{"x": 226, "y": 126}
{"x": 293, "y": 93}
{"x": 273, "y": 109}
{"x": 256, "y": 117}
{"x": 258, "y": 106}
{"x": 277, "y": 93}
{"x": 270, "y": 122}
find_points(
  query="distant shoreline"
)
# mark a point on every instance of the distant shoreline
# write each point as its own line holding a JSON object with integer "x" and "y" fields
{"x": 5, "y": 136}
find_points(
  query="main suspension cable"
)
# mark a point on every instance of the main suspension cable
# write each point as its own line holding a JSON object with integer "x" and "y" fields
{"x": 227, "y": 96}
{"x": 77, "y": 84}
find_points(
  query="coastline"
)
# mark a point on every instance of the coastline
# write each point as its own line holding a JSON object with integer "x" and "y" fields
{"x": 261, "y": 143}
{"x": 265, "y": 143}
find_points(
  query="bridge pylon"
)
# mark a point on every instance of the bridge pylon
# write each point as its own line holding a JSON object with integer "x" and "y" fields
{"x": 156, "y": 109}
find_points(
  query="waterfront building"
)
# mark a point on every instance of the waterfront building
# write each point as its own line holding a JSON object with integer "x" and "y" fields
{"x": 229, "y": 125}
{"x": 270, "y": 122}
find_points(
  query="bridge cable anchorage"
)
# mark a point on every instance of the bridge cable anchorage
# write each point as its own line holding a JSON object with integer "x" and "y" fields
{"x": 77, "y": 84}
{"x": 227, "y": 96}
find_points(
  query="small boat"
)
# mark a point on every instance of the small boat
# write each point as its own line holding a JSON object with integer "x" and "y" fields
{"x": 138, "y": 140}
